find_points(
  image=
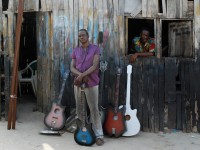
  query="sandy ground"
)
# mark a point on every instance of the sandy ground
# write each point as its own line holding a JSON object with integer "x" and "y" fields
{"x": 29, "y": 123}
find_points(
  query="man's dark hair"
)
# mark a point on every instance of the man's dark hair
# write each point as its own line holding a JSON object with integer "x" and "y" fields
{"x": 145, "y": 29}
{"x": 84, "y": 31}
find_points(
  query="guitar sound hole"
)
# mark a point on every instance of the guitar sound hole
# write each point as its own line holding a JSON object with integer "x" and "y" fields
{"x": 57, "y": 111}
{"x": 127, "y": 117}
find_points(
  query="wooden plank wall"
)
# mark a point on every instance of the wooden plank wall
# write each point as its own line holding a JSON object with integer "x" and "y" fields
{"x": 163, "y": 90}
{"x": 29, "y": 5}
{"x": 180, "y": 39}
{"x": 44, "y": 60}
{"x": 68, "y": 17}
{"x": 177, "y": 8}
{"x": 165, "y": 93}
{"x": 1, "y": 28}
{"x": 197, "y": 51}
{"x": 46, "y": 5}
{"x": 159, "y": 85}
{"x": 149, "y": 8}
{"x": 1, "y": 22}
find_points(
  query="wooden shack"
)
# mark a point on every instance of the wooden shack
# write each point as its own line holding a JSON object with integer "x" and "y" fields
{"x": 164, "y": 88}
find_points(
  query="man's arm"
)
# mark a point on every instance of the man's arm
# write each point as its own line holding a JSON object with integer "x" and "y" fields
{"x": 80, "y": 75}
{"x": 93, "y": 67}
{"x": 134, "y": 56}
{"x": 73, "y": 68}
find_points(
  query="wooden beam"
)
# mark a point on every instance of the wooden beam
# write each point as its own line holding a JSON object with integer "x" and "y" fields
{"x": 171, "y": 8}
{"x": 14, "y": 85}
{"x": 164, "y": 8}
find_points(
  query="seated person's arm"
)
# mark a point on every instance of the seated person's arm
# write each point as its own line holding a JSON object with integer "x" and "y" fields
{"x": 133, "y": 57}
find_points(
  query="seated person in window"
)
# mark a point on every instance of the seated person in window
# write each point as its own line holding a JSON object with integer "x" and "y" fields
{"x": 142, "y": 46}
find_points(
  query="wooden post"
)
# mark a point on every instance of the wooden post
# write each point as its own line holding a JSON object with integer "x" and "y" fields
{"x": 1, "y": 24}
{"x": 14, "y": 84}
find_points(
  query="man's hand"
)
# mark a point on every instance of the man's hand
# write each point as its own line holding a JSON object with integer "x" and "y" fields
{"x": 133, "y": 57}
{"x": 85, "y": 79}
{"x": 79, "y": 80}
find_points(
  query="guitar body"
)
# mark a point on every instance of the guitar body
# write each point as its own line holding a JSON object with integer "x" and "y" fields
{"x": 55, "y": 119}
{"x": 132, "y": 124}
{"x": 114, "y": 123}
{"x": 84, "y": 135}
{"x": 131, "y": 120}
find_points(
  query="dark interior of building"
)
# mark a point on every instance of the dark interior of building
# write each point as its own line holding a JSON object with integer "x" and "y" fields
{"x": 136, "y": 25}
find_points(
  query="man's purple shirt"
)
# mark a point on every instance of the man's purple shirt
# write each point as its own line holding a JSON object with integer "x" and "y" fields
{"x": 84, "y": 60}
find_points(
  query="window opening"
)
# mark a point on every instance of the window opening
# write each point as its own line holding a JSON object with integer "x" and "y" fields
{"x": 5, "y": 4}
{"x": 177, "y": 38}
{"x": 134, "y": 29}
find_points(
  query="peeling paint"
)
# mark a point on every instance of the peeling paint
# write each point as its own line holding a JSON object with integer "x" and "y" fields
{"x": 197, "y": 10}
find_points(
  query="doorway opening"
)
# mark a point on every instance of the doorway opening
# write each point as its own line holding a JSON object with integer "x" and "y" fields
{"x": 28, "y": 53}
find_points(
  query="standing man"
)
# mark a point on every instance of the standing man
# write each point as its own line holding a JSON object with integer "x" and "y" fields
{"x": 85, "y": 66}
{"x": 142, "y": 46}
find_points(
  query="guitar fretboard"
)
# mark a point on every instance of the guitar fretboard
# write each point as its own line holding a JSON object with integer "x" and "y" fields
{"x": 62, "y": 88}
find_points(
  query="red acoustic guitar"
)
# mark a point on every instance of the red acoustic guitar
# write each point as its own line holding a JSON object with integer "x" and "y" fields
{"x": 115, "y": 123}
{"x": 55, "y": 119}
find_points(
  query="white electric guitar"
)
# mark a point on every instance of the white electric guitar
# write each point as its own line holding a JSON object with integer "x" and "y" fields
{"x": 131, "y": 121}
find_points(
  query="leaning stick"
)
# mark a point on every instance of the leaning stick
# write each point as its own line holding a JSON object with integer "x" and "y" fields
{"x": 13, "y": 96}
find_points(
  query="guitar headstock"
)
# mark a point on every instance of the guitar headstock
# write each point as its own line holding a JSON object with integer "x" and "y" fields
{"x": 65, "y": 75}
{"x": 82, "y": 85}
{"x": 103, "y": 65}
{"x": 129, "y": 69}
{"x": 119, "y": 70}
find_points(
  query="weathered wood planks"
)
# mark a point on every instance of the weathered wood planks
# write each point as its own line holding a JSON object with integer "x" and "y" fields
{"x": 158, "y": 85}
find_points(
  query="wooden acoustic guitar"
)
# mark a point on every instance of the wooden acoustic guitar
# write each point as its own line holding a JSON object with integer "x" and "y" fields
{"x": 114, "y": 123}
{"x": 55, "y": 119}
{"x": 132, "y": 122}
{"x": 84, "y": 135}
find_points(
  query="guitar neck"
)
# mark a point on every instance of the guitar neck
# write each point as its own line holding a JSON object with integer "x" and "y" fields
{"x": 83, "y": 106}
{"x": 62, "y": 89}
{"x": 103, "y": 67}
{"x": 116, "y": 93}
{"x": 101, "y": 86}
{"x": 129, "y": 67}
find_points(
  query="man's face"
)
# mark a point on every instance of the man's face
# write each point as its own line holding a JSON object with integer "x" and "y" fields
{"x": 144, "y": 36}
{"x": 83, "y": 37}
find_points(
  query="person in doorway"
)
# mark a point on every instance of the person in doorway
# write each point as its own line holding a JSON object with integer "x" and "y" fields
{"x": 85, "y": 67}
{"x": 142, "y": 46}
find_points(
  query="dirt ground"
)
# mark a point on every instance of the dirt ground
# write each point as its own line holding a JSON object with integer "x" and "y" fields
{"x": 29, "y": 123}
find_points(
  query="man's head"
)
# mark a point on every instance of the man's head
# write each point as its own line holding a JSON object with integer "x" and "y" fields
{"x": 144, "y": 35}
{"x": 83, "y": 36}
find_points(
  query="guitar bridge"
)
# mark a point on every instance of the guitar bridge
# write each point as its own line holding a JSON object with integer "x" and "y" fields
{"x": 113, "y": 130}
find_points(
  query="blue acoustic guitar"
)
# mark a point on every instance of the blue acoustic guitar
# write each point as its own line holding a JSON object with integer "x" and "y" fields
{"x": 84, "y": 135}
